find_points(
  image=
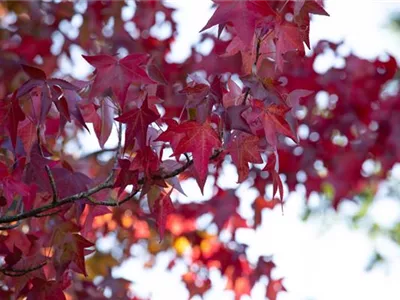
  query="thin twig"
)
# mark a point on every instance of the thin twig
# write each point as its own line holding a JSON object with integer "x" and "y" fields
{"x": 64, "y": 201}
{"x": 115, "y": 203}
{"x": 98, "y": 152}
{"x": 48, "y": 214}
{"x": 11, "y": 226}
{"x": 258, "y": 46}
{"x": 52, "y": 183}
{"x": 21, "y": 272}
{"x": 47, "y": 168}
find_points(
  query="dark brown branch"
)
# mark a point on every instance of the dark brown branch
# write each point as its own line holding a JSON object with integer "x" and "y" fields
{"x": 47, "y": 214}
{"x": 115, "y": 203}
{"x": 257, "y": 51}
{"x": 85, "y": 195}
{"x": 47, "y": 168}
{"x": 21, "y": 272}
{"x": 70, "y": 199}
{"x": 52, "y": 183}
{"x": 11, "y": 226}
{"x": 98, "y": 152}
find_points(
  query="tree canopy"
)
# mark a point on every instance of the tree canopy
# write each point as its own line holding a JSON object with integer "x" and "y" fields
{"x": 254, "y": 101}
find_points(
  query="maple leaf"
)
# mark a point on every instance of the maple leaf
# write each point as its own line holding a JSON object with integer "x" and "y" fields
{"x": 259, "y": 204}
{"x": 27, "y": 134}
{"x": 71, "y": 106}
{"x": 244, "y": 149}
{"x": 224, "y": 206}
{"x": 288, "y": 38}
{"x": 196, "y": 284}
{"x": 161, "y": 208}
{"x": 272, "y": 167}
{"x": 50, "y": 89}
{"x": 11, "y": 182}
{"x": 269, "y": 119}
{"x": 125, "y": 176}
{"x": 138, "y": 121}
{"x": 99, "y": 264}
{"x": 117, "y": 74}
{"x": 13, "y": 114}
{"x": 146, "y": 161}
{"x": 243, "y": 14}
{"x": 13, "y": 257}
{"x": 102, "y": 119}
{"x": 200, "y": 140}
{"x": 309, "y": 6}
{"x": 293, "y": 99}
{"x": 89, "y": 214}
{"x": 171, "y": 135}
{"x": 70, "y": 248}
{"x": 233, "y": 117}
{"x": 47, "y": 290}
{"x": 274, "y": 287}
{"x": 69, "y": 182}
{"x": 234, "y": 96}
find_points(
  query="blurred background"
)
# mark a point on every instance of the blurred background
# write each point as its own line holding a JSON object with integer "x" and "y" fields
{"x": 350, "y": 254}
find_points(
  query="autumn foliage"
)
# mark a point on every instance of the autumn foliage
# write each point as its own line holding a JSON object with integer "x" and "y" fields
{"x": 254, "y": 101}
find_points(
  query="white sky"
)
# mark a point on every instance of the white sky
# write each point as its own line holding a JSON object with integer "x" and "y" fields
{"x": 322, "y": 259}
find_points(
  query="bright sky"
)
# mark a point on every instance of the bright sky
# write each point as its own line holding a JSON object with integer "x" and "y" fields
{"x": 322, "y": 259}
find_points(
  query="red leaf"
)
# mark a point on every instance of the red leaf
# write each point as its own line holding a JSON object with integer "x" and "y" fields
{"x": 48, "y": 290}
{"x": 271, "y": 120}
{"x": 104, "y": 122}
{"x": 309, "y": 6}
{"x": 288, "y": 38}
{"x": 138, "y": 121}
{"x": 274, "y": 287}
{"x": 243, "y": 14}
{"x": 13, "y": 257}
{"x": 50, "y": 89}
{"x": 259, "y": 204}
{"x": 34, "y": 73}
{"x": 234, "y": 118}
{"x": 244, "y": 149}
{"x": 12, "y": 184}
{"x": 199, "y": 140}
{"x": 234, "y": 96}
{"x": 224, "y": 206}
{"x": 125, "y": 176}
{"x": 117, "y": 74}
{"x": 14, "y": 116}
{"x": 162, "y": 207}
{"x": 273, "y": 168}
{"x": 293, "y": 99}
{"x": 70, "y": 248}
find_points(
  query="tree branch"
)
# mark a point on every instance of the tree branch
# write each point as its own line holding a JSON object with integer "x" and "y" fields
{"x": 115, "y": 203}
{"x": 86, "y": 195}
{"x": 47, "y": 214}
{"x": 47, "y": 168}
{"x": 98, "y": 152}
{"x": 21, "y": 272}
{"x": 11, "y": 226}
{"x": 52, "y": 183}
